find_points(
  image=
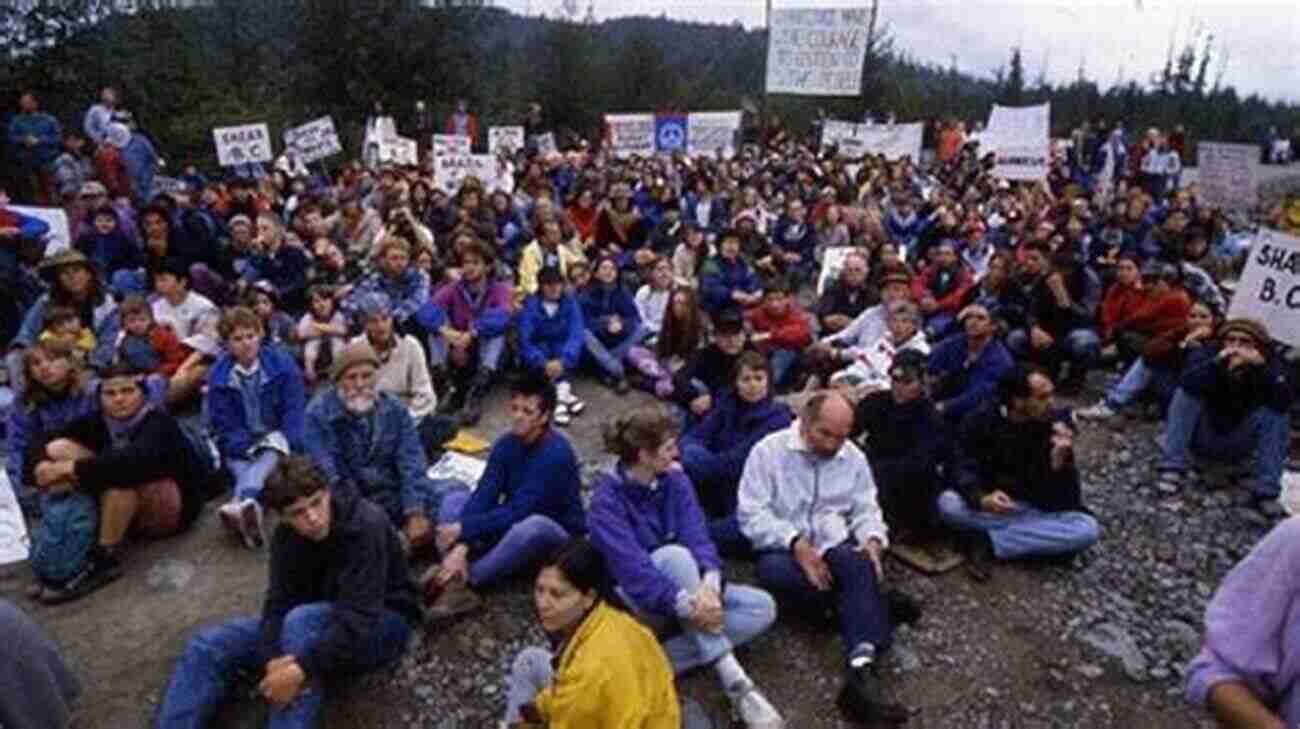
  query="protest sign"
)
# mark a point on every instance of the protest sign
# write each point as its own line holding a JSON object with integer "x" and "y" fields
{"x": 58, "y": 239}
{"x": 242, "y": 144}
{"x": 631, "y": 134}
{"x": 314, "y": 140}
{"x": 546, "y": 143}
{"x": 1269, "y": 289}
{"x": 399, "y": 151}
{"x": 14, "y": 541}
{"x": 166, "y": 185}
{"x": 709, "y": 131}
{"x": 670, "y": 132}
{"x": 816, "y": 52}
{"x": 891, "y": 141}
{"x": 1020, "y": 137}
{"x": 449, "y": 171}
{"x": 505, "y": 139}
{"x": 832, "y": 264}
{"x": 1227, "y": 174}
{"x": 444, "y": 144}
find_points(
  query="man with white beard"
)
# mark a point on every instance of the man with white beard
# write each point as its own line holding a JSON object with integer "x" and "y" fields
{"x": 366, "y": 440}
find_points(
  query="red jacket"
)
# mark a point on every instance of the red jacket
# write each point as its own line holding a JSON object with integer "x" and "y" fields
{"x": 450, "y": 127}
{"x": 951, "y": 298}
{"x": 111, "y": 170}
{"x": 1118, "y": 306}
{"x": 792, "y": 331}
{"x": 1158, "y": 315}
{"x": 169, "y": 347}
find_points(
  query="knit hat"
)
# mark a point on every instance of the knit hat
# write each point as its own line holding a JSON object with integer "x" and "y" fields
{"x": 240, "y": 219}
{"x": 1250, "y": 328}
{"x": 359, "y": 352}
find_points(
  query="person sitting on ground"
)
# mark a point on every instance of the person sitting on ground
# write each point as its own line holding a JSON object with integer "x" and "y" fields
{"x": 848, "y": 296}
{"x": 278, "y": 263}
{"x": 604, "y": 668}
{"x": 1232, "y": 404}
{"x": 551, "y": 331}
{"x": 365, "y": 439}
{"x": 1122, "y": 299}
{"x": 107, "y": 245}
{"x": 403, "y": 372}
{"x": 340, "y": 603}
{"x": 1242, "y": 674}
{"x": 40, "y": 690}
{"x": 613, "y": 324}
{"x": 964, "y": 369}
{"x": 940, "y": 288}
{"x": 323, "y": 331}
{"x": 255, "y": 407}
{"x": 869, "y": 372}
{"x": 136, "y": 462}
{"x": 646, "y": 522}
{"x": 1015, "y": 483}
{"x": 837, "y": 351}
{"x": 277, "y": 324}
{"x": 726, "y": 280}
{"x": 145, "y": 344}
{"x": 188, "y": 312}
{"x": 405, "y": 286}
{"x": 62, "y": 324}
{"x": 711, "y": 370}
{"x": 1163, "y": 309}
{"x": 526, "y": 503}
{"x": 1061, "y": 311}
{"x": 549, "y": 250}
{"x": 807, "y": 504}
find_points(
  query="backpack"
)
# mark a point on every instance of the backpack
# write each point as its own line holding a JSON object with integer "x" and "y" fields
{"x": 67, "y": 533}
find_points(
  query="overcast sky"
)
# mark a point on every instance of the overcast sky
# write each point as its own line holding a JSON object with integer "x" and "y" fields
{"x": 1115, "y": 38}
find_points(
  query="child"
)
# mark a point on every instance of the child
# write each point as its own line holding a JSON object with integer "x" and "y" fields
{"x": 277, "y": 325}
{"x": 63, "y": 325}
{"x": 322, "y": 330}
{"x": 107, "y": 245}
{"x": 145, "y": 344}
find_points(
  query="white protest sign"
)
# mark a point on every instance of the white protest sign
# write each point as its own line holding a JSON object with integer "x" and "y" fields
{"x": 709, "y": 131}
{"x": 832, "y": 264}
{"x": 163, "y": 185}
{"x": 891, "y": 141}
{"x": 317, "y": 139}
{"x": 505, "y": 139}
{"x": 444, "y": 144}
{"x": 59, "y": 238}
{"x": 1020, "y": 136}
{"x": 816, "y": 52}
{"x": 242, "y": 144}
{"x": 399, "y": 151}
{"x": 1227, "y": 174}
{"x": 1269, "y": 289}
{"x": 14, "y": 541}
{"x": 546, "y": 143}
{"x": 449, "y": 171}
{"x": 631, "y": 134}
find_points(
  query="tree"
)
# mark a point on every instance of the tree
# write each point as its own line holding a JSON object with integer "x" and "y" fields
{"x": 1013, "y": 91}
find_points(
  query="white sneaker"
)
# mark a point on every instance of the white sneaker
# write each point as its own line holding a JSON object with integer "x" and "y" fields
{"x": 561, "y": 416}
{"x": 1097, "y": 411}
{"x": 229, "y": 513}
{"x": 753, "y": 708}
{"x": 252, "y": 524}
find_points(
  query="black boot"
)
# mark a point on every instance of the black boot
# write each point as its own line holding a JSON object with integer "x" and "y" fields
{"x": 863, "y": 700}
{"x": 979, "y": 557}
{"x": 102, "y": 567}
{"x": 472, "y": 409}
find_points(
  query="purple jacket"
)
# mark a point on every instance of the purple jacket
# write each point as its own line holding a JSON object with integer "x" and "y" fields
{"x": 1250, "y": 634}
{"x": 489, "y": 312}
{"x": 628, "y": 521}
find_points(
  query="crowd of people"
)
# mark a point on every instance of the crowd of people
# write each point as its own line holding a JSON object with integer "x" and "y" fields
{"x": 307, "y": 343}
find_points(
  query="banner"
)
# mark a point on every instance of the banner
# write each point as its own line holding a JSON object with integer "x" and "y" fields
{"x": 444, "y": 144}
{"x": 1020, "y": 137}
{"x": 242, "y": 144}
{"x": 816, "y": 52}
{"x": 14, "y": 541}
{"x": 59, "y": 238}
{"x": 631, "y": 134}
{"x": 314, "y": 140}
{"x": 891, "y": 141}
{"x": 399, "y": 151}
{"x": 709, "y": 131}
{"x": 505, "y": 139}
{"x": 1227, "y": 174}
{"x": 670, "y": 132}
{"x": 449, "y": 171}
{"x": 1269, "y": 289}
{"x": 163, "y": 185}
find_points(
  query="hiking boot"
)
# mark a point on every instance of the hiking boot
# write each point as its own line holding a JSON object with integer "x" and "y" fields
{"x": 863, "y": 700}
{"x": 562, "y": 415}
{"x": 752, "y": 707}
{"x": 104, "y": 566}
{"x": 1097, "y": 411}
{"x": 451, "y": 601}
{"x": 980, "y": 558}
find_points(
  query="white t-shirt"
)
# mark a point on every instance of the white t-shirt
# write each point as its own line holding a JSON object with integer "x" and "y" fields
{"x": 196, "y": 314}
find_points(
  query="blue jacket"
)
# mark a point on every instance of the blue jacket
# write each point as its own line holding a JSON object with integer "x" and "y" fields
{"x": 541, "y": 336}
{"x": 388, "y": 468}
{"x": 791, "y": 239}
{"x": 722, "y": 441}
{"x": 718, "y": 278}
{"x": 141, "y": 161}
{"x": 112, "y": 252}
{"x": 970, "y": 386}
{"x": 49, "y": 140}
{"x": 521, "y": 480}
{"x": 719, "y": 212}
{"x": 281, "y": 395}
{"x": 628, "y": 521}
{"x": 1230, "y": 397}
{"x": 600, "y": 303}
{"x": 106, "y": 321}
{"x": 408, "y": 292}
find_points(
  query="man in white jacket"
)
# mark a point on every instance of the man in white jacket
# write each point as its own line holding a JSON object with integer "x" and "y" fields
{"x": 807, "y": 504}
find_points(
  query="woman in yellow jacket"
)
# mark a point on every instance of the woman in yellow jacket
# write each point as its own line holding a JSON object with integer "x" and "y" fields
{"x": 611, "y": 672}
{"x": 549, "y": 249}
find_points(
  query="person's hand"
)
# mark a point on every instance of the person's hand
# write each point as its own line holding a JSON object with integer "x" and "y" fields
{"x": 448, "y": 535}
{"x": 32, "y": 141}
{"x": 997, "y": 502}
{"x": 554, "y": 369}
{"x": 813, "y": 566}
{"x": 1040, "y": 339}
{"x": 454, "y": 567}
{"x": 54, "y": 473}
{"x": 310, "y": 330}
{"x": 707, "y": 613}
{"x": 1062, "y": 445}
{"x": 702, "y": 404}
{"x": 872, "y": 551}
{"x": 418, "y": 530}
{"x": 1198, "y": 334}
{"x": 792, "y": 257}
{"x": 283, "y": 681}
{"x": 615, "y": 325}
{"x": 1056, "y": 284}
{"x": 760, "y": 337}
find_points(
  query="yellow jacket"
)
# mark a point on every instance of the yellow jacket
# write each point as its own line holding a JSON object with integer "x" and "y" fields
{"x": 612, "y": 675}
{"x": 532, "y": 259}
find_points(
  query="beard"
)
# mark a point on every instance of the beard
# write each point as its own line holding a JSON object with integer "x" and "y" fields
{"x": 359, "y": 403}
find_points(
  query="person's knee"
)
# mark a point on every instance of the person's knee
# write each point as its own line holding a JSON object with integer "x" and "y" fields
{"x": 950, "y": 504}
{"x": 301, "y": 625}
{"x": 531, "y": 662}
{"x": 761, "y": 605}
{"x": 677, "y": 562}
{"x": 1086, "y": 531}
{"x": 540, "y": 529}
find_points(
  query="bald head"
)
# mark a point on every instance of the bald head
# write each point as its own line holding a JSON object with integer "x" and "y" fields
{"x": 826, "y": 422}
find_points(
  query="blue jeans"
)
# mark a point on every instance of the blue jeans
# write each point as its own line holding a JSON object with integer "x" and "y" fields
{"x": 783, "y": 362}
{"x": 1025, "y": 532}
{"x": 746, "y": 614}
{"x": 526, "y": 543}
{"x": 529, "y": 674}
{"x": 1082, "y": 348}
{"x": 251, "y": 475}
{"x": 610, "y": 358}
{"x": 1139, "y": 378}
{"x": 1262, "y": 435}
{"x": 206, "y": 670}
{"x": 854, "y": 594}
{"x": 489, "y": 352}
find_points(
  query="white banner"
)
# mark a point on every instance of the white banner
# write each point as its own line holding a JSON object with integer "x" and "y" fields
{"x": 163, "y": 185}
{"x": 505, "y": 139}
{"x": 631, "y": 134}
{"x": 314, "y": 140}
{"x": 1227, "y": 174}
{"x": 242, "y": 144}
{"x": 399, "y": 151}
{"x": 451, "y": 144}
{"x": 1021, "y": 138}
{"x": 1269, "y": 289}
{"x": 892, "y": 141}
{"x": 449, "y": 171}
{"x": 14, "y": 540}
{"x": 709, "y": 131}
{"x": 816, "y": 52}
{"x": 59, "y": 238}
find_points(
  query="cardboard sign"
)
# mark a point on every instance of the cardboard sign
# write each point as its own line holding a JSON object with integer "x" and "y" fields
{"x": 709, "y": 131}
{"x": 1021, "y": 138}
{"x": 1227, "y": 174}
{"x": 314, "y": 140}
{"x": 165, "y": 186}
{"x": 816, "y": 52}
{"x": 891, "y": 141}
{"x": 242, "y": 144}
{"x": 505, "y": 139}
{"x": 59, "y": 238}
{"x": 444, "y": 144}
{"x": 399, "y": 151}
{"x": 1269, "y": 289}
{"x": 631, "y": 134}
{"x": 449, "y": 171}
{"x": 15, "y": 544}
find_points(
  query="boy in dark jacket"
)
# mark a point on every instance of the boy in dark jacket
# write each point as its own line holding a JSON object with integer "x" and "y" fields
{"x": 613, "y": 323}
{"x": 550, "y": 339}
{"x": 340, "y": 603}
